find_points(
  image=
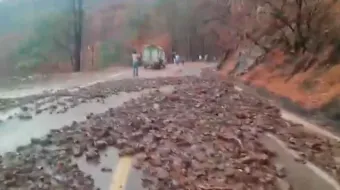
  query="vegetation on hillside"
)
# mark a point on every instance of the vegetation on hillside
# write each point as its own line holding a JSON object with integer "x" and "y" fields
{"x": 50, "y": 42}
{"x": 47, "y": 33}
{"x": 303, "y": 29}
{"x": 300, "y": 42}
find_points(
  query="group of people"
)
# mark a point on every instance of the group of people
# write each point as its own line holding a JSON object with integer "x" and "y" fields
{"x": 201, "y": 58}
{"x": 136, "y": 60}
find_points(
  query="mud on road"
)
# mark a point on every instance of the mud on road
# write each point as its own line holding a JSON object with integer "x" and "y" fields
{"x": 203, "y": 135}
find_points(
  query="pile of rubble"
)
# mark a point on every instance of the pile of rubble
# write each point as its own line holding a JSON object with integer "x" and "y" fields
{"x": 205, "y": 135}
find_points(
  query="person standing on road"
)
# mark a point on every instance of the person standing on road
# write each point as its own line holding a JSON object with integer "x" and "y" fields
{"x": 173, "y": 57}
{"x": 177, "y": 59}
{"x": 135, "y": 63}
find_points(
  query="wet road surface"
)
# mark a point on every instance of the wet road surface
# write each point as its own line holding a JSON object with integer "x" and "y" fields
{"x": 15, "y": 132}
{"x": 121, "y": 175}
{"x": 58, "y": 81}
{"x": 74, "y": 81}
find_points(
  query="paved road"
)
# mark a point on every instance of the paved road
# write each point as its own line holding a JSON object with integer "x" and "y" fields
{"x": 123, "y": 177}
{"x": 75, "y": 80}
{"x": 14, "y": 133}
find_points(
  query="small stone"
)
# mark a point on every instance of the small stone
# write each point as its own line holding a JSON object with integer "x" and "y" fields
{"x": 280, "y": 170}
{"x": 92, "y": 155}
{"x": 100, "y": 145}
{"x": 299, "y": 159}
{"x": 241, "y": 115}
{"x": 24, "y": 108}
{"x": 77, "y": 151}
{"x": 35, "y": 141}
{"x": 38, "y": 111}
{"x": 25, "y": 116}
{"x": 106, "y": 170}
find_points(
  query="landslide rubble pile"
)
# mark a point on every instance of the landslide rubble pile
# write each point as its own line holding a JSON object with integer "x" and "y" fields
{"x": 204, "y": 135}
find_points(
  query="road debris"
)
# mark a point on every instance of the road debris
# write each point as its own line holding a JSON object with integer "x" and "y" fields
{"x": 203, "y": 135}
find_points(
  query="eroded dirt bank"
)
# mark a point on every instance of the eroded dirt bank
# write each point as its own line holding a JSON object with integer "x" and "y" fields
{"x": 203, "y": 135}
{"x": 313, "y": 92}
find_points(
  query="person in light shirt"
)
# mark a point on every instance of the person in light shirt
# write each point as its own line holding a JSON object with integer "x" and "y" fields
{"x": 135, "y": 60}
{"x": 177, "y": 59}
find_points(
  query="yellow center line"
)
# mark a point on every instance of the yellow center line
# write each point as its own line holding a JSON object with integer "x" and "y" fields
{"x": 121, "y": 174}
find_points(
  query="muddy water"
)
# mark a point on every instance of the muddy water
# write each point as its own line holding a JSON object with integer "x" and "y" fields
{"x": 14, "y": 133}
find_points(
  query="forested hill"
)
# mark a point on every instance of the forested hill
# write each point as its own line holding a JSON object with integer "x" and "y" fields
{"x": 37, "y": 32}
{"x": 17, "y": 15}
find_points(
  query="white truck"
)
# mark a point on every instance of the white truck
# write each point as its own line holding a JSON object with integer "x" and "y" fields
{"x": 153, "y": 57}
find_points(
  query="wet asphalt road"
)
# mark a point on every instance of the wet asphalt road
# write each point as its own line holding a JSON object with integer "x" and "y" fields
{"x": 76, "y": 80}
{"x": 15, "y": 133}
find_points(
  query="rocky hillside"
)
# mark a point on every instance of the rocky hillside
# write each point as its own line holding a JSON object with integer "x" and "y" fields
{"x": 299, "y": 62}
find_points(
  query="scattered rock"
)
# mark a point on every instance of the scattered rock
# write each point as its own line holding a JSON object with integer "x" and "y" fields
{"x": 299, "y": 159}
{"x": 38, "y": 111}
{"x": 25, "y": 116}
{"x": 92, "y": 155}
{"x": 24, "y": 108}
{"x": 280, "y": 170}
{"x": 100, "y": 145}
{"x": 106, "y": 170}
{"x": 77, "y": 151}
{"x": 203, "y": 133}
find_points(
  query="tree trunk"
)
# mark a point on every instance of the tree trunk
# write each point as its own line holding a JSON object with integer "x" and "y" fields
{"x": 78, "y": 33}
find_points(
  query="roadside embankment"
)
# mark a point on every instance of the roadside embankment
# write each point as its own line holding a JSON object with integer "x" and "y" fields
{"x": 312, "y": 94}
